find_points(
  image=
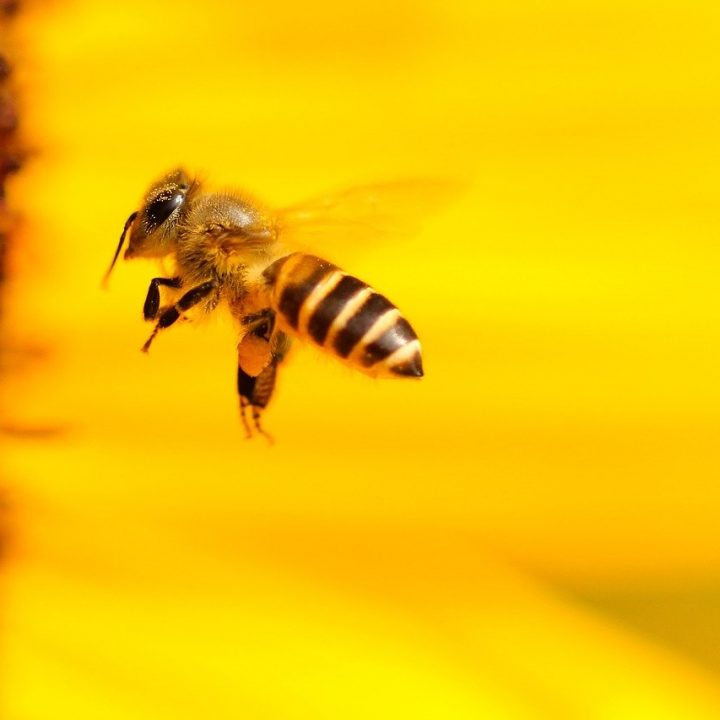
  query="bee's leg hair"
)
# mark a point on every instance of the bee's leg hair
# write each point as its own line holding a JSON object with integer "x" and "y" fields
{"x": 188, "y": 300}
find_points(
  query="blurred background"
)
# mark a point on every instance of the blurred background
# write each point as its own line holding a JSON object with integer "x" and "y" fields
{"x": 532, "y": 530}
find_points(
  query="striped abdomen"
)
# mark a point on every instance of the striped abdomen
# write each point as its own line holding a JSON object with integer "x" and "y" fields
{"x": 344, "y": 316}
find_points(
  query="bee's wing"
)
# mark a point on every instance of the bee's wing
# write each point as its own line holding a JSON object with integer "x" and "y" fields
{"x": 336, "y": 223}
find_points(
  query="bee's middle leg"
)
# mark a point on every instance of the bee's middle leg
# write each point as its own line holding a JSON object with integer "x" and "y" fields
{"x": 171, "y": 314}
{"x": 261, "y": 324}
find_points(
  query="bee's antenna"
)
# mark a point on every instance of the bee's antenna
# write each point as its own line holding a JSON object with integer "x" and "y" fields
{"x": 128, "y": 223}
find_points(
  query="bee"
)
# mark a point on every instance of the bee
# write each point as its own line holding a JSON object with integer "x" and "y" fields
{"x": 226, "y": 248}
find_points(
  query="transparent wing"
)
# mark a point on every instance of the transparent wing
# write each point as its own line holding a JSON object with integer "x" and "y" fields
{"x": 342, "y": 223}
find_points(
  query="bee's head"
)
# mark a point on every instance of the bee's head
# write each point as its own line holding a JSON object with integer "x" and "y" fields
{"x": 152, "y": 232}
{"x": 152, "y": 228}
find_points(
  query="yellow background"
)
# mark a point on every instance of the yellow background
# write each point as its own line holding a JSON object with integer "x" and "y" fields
{"x": 532, "y": 530}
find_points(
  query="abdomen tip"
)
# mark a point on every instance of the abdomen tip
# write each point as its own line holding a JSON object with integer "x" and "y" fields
{"x": 411, "y": 367}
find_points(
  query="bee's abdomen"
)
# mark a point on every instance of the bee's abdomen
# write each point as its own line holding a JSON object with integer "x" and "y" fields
{"x": 344, "y": 315}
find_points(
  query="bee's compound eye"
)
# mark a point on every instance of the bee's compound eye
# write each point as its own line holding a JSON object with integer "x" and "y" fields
{"x": 161, "y": 208}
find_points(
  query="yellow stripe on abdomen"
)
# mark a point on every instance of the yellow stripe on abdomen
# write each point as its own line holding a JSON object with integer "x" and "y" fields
{"x": 344, "y": 315}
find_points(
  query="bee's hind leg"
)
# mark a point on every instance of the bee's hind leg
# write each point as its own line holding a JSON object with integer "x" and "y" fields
{"x": 256, "y": 391}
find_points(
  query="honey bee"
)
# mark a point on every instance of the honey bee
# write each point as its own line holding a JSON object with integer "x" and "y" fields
{"x": 227, "y": 248}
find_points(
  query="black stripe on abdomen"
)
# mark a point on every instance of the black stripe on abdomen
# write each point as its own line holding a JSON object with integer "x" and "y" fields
{"x": 396, "y": 336}
{"x": 302, "y": 281}
{"x": 331, "y": 306}
{"x": 363, "y": 319}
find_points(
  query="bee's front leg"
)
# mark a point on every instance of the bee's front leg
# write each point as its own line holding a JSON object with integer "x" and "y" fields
{"x": 172, "y": 314}
{"x": 152, "y": 300}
